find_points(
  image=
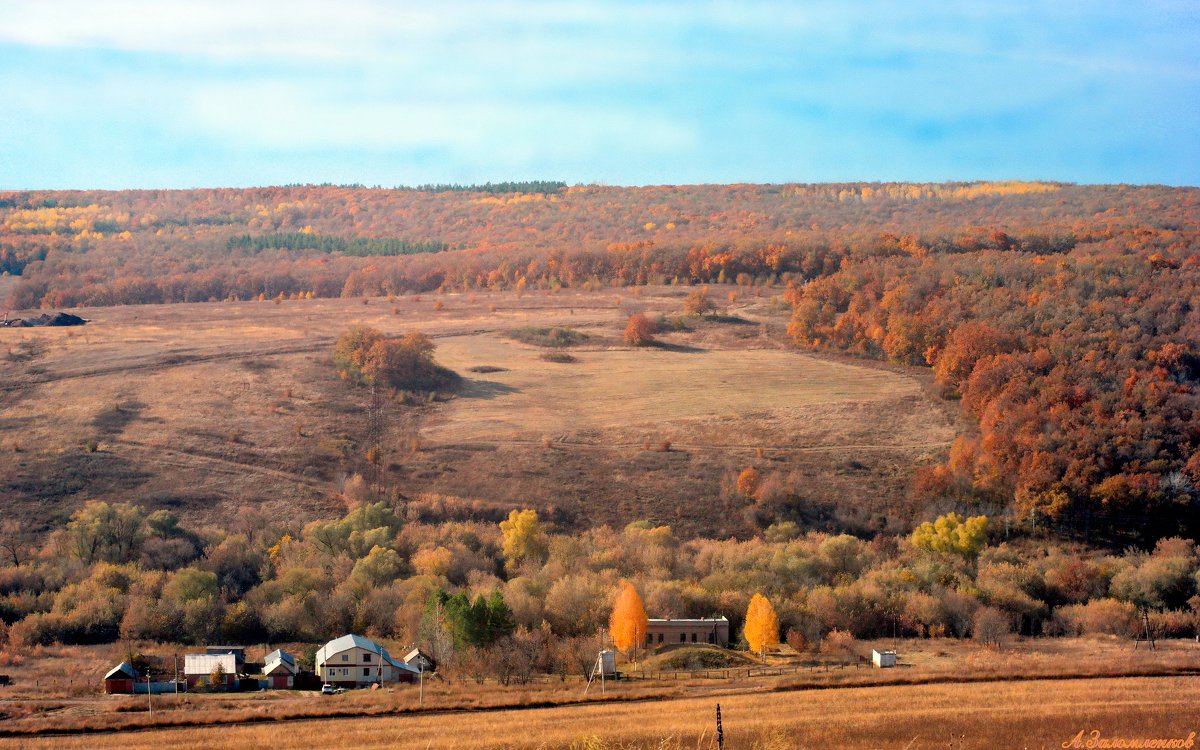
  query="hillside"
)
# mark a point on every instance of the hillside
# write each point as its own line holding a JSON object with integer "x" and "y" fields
{"x": 1063, "y": 318}
{"x": 215, "y": 410}
{"x": 100, "y": 248}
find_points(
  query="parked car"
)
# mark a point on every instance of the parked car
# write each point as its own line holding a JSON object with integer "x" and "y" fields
{"x": 327, "y": 689}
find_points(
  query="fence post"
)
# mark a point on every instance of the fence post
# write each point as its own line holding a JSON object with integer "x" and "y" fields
{"x": 720, "y": 730}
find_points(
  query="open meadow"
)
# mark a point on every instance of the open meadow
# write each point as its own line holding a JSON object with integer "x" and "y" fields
{"x": 1030, "y": 714}
{"x": 55, "y": 692}
{"x": 210, "y": 409}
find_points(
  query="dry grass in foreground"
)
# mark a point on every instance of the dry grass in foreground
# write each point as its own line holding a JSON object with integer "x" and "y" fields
{"x": 1010, "y": 715}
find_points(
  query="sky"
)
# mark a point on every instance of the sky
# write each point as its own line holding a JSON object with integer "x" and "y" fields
{"x": 211, "y": 93}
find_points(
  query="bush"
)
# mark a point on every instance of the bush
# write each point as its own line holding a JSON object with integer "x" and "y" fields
{"x": 699, "y": 303}
{"x": 1097, "y": 617}
{"x": 640, "y": 330}
{"x": 838, "y": 643}
{"x": 991, "y": 626}
{"x": 555, "y": 337}
{"x": 403, "y": 364}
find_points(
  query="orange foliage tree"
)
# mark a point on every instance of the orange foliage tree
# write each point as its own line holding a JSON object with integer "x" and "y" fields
{"x": 748, "y": 482}
{"x": 628, "y": 622}
{"x": 640, "y": 330}
{"x": 762, "y": 625}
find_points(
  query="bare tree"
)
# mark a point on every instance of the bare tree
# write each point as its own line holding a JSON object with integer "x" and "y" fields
{"x": 14, "y": 539}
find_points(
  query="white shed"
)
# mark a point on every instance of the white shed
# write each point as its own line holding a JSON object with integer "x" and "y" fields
{"x": 883, "y": 659}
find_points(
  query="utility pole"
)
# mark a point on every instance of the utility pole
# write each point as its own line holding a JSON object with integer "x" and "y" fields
{"x": 176, "y": 674}
{"x": 421, "y": 680}
{"x": 149, "y": 695}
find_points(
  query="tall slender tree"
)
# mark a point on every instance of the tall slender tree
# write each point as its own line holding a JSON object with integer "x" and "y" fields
{"x": 762, "y": 625}
{"x": 628, "y": 623}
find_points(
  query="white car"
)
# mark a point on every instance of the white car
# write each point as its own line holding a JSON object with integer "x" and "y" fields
{"x": 327, "y": 689}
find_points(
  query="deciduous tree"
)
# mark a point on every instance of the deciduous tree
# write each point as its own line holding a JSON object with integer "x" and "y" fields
{"x": 762, "y": 625}
{"x": 628, "y": 622}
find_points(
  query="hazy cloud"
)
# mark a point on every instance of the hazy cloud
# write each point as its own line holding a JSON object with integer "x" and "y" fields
{"x": 221, "y": 92}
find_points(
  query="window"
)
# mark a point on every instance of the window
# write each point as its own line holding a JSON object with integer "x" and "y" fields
{"x": 366, "y": 658}
{"x": 345, "y": 657}
{"x": 660, "y": 637}
{"x": 693, "y": 637}
{"x": 366, "y": 671}
{"x": 683, "y": 637}
{"x": 712, "y": 638}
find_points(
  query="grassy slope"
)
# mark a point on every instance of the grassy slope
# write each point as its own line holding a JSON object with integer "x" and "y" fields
{"x": 209, "y": 408}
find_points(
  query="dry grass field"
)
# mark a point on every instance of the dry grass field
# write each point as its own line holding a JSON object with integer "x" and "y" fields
{"x": 56, "y": 690}
{"x": 212, "y": 408}
{"x": 1029, "y": 714}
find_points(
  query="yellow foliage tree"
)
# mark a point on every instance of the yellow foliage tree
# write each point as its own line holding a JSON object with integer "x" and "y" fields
{"x": 762, "y": 625}
{"x": 524, "y": 537}
{"x": 953, "y": 534}
{"x": 628, "y": 622}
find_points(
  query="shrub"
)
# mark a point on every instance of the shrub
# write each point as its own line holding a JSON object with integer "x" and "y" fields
{"x": 748, "y": 481}
{"x": 991, "y": 626}
{"x": 640, "y": 330}
{"x": 1099, "y": 616}
{"x": 838, "y": 643}
{"x": 698, "y": 302}
{"x": 555, "y": 337}
{"x": 404, "y": 364}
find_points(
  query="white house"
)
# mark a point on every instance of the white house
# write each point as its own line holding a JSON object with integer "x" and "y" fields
{"x": 883, "y": 659}
{"x": 198, "y": 667}
{"x": 279, "y": 667}
{"x": 354, "y": 661}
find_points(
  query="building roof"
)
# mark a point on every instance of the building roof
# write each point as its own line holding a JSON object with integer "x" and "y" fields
{"x": 692, "y": 621}
{"x": 124, "y": 669}
{"x": 203, "y": 664}
{"x": 349, "y": 641}
{"x": 278, "y": 658}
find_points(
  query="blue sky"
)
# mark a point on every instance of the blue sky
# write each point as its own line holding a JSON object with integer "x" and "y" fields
{"x": 204, "y": 93}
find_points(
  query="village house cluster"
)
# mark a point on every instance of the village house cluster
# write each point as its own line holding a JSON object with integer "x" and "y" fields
{"x": 351, "y": 661}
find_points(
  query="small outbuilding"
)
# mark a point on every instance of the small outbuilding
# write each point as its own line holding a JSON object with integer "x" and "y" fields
{"x": 120, "y": 679}
{"x": 420, "y": 661}
{"x": 279, "y": 667}
{"x": 883, "y": 659}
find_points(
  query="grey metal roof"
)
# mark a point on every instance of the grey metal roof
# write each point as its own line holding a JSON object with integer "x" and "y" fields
{"x": 349, "y": 641}
{"x": 691, "y": 621}
{"x": 279, "y": 655}
{"x": 123, "y": 669}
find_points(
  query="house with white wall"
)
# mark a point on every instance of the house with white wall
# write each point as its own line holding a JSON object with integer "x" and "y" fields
{"x": 355, "y": 661}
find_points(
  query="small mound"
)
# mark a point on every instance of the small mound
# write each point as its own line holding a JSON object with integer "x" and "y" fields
{"x": 560, "y": 357}
{"x": 486, "y": 369}
{"x": 692, "y": 658}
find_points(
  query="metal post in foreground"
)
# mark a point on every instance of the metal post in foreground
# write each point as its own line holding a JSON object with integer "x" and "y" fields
{"x": 720, "y": 730}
